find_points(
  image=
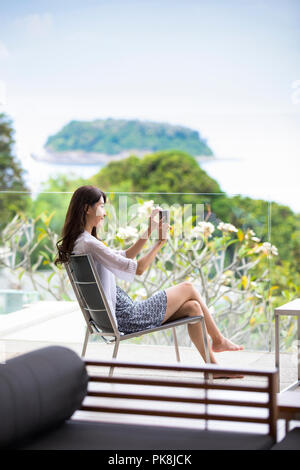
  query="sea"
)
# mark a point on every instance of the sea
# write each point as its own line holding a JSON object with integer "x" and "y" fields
{"x": 255, "y": 179}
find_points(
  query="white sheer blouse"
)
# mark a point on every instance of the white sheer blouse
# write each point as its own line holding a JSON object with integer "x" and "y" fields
{"x": 109, "y": 262}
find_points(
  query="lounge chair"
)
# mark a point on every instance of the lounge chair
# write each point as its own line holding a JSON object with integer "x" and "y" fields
{"x": 97, "y": 313}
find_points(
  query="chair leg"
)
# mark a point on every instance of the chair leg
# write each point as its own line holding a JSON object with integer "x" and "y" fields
{"x": 206, "y": 350}
{"x": 205, "y": 341}
{"x": 176, "y": 344}
{"x": 86, "y": 338}
{"x": 115, "y": 352}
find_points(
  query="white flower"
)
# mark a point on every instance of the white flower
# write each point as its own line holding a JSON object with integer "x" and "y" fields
{"x": 146, "y": 208}
{"x": 195, "y": 232}
{"x": 127, "y": 232}
{"x": 204, "y": 228}
{"x": 250, "y": 233}
{"x": 227, "y": 227}
{"x": 141, "y": 292}
{"x": 266, "y": 248}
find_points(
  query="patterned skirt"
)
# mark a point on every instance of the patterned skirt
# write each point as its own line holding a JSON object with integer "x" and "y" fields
{"x": 137, "y": 315}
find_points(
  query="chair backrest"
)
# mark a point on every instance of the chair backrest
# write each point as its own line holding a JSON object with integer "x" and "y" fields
{"x": 90, "y": 294}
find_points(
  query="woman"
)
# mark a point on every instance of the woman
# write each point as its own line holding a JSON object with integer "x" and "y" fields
{"x": 86, "y": 212}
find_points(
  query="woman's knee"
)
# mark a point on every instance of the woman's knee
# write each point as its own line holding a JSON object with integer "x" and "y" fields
{"x": 194, "y": 308}
{"x": 187, "y": 284}
{"x": 189, "y": 289}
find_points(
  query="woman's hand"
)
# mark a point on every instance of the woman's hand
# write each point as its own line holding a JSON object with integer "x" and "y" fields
{"x": 153, "y": 225}
{"x": 163, "y": 230}
{"x": 161, "y": 226}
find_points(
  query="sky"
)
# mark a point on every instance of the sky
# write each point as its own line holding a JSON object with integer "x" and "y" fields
{"x": 227, "y": 68}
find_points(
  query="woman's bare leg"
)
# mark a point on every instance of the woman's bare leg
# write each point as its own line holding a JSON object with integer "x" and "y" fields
{"x": 193, "y": 308}
{"x": 178, "y": 295}
{"x": 188, "y": 309}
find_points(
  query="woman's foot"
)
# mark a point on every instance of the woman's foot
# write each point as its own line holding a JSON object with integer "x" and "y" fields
{"x": 225, "y": 344}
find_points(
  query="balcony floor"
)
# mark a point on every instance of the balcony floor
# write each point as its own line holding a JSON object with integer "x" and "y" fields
{"x": 45, "y": 323}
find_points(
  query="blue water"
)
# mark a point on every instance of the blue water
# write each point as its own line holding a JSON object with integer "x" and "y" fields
{"x": 257, "y": 179}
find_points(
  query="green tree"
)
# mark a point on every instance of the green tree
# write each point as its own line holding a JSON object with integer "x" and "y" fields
{"x": 284, "y": 226}
{"x": 11, "y": 174}
{"x": 112, "y": 136}
{"x": 160, "y": 172}
{"x": 55, "y": 197}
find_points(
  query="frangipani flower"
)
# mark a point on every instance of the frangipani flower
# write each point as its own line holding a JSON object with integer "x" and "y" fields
{"x": 226, "y": 227}
{"x": 203, "y": 228}
{"x": 266, "y": 248}
{"x": 127, "y": 232}
{"x": 146, "y": 209}
{"x": 250, "y": 233}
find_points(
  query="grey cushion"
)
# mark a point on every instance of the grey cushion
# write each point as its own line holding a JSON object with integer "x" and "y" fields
{"x": 39, "y": 390}
{"x": 85, "y": 435}
{"x": 290, "y": 442}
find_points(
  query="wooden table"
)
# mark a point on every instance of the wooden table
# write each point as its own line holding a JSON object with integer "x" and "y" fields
{"x": 291, "y": 308}
{"x": 288, "y": 405}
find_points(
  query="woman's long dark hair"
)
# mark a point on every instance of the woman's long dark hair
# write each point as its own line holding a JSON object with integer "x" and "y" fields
{"x": 75, "y": 221}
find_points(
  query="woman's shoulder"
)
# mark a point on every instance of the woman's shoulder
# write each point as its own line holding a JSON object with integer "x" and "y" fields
{"x": 83, "y": 239}
{"x": 88, "y": 243}
{"x": 90, "y": 240}
{"x": 78, "y": 244}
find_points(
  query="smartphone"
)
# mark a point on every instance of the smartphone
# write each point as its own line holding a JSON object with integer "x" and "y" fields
{"x": 165, "y": 215}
